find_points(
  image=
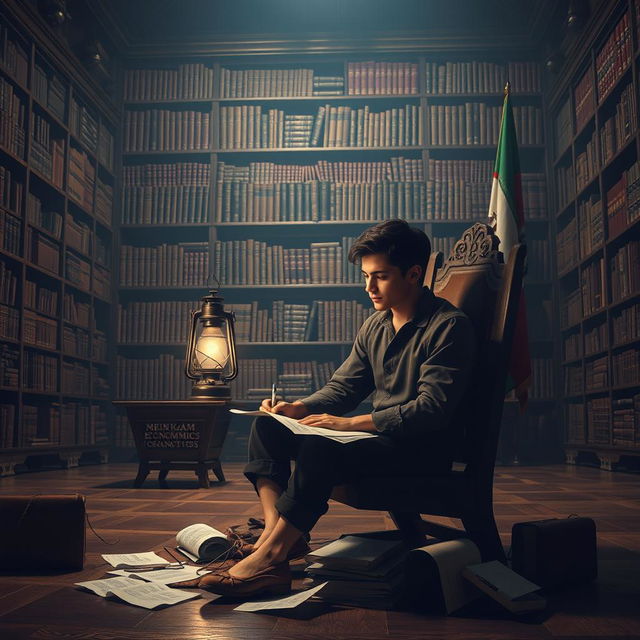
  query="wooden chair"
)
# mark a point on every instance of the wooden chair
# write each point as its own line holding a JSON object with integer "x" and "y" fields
{"x": 474, "y": 279}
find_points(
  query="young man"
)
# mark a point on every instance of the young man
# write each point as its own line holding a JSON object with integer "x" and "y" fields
{"x": 416, "y": 353}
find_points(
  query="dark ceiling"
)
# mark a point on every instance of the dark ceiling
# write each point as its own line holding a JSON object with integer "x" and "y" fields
{"x": 157, "y": 22}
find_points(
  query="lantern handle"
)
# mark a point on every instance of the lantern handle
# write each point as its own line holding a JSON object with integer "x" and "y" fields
{"x": 213, "y": 278}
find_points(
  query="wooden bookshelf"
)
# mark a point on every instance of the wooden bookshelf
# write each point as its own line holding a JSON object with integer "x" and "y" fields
{"x": 429, "y": 87}
{"x": 602, "y": 407}
{"x": 56, "y": 251}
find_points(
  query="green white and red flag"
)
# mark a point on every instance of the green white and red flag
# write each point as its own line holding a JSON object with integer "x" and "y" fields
{"x": 506, "y": 216}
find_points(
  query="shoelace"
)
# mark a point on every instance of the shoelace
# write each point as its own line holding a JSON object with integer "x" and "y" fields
{"x": 225, "y": 555}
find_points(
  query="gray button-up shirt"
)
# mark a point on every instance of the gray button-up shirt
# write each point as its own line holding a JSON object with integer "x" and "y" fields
{"x": 419, "y": 374}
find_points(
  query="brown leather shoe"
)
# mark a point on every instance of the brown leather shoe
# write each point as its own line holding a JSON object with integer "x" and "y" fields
{"x": 272, "y": 581}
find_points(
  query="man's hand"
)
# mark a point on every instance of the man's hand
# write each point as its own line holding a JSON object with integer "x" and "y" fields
{"x": 328, "y": 421}
{"x": 294, "y": 410}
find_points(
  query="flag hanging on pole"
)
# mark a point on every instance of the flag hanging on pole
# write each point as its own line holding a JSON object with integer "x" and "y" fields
{"x": 507, "y": 219}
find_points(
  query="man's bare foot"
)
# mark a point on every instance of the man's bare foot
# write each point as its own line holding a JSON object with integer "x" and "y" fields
{"x": 259, "y": 560}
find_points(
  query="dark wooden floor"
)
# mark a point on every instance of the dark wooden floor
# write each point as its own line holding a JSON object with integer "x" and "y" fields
{"x": 147, "y": 519}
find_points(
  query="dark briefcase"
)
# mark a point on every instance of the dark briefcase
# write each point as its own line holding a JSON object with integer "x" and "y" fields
{"x": 42, "y": 532}
{"x": 556, "y": 552}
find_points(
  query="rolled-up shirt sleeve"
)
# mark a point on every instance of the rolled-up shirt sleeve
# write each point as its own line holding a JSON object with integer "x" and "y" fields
{"x": 443, "y": 379}
{"x": 351, "y": 383}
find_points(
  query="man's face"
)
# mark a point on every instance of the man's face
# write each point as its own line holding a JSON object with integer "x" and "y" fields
{"x": 384, "y": 282}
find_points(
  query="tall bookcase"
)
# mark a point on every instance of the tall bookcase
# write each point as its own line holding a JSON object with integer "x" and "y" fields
{"x": 596, "y": 175}
{"x": 273, "y": 165}
{"x": 57, "y": 178}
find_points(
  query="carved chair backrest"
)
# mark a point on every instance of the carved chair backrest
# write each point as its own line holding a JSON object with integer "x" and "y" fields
{"x": 475, "y": 279}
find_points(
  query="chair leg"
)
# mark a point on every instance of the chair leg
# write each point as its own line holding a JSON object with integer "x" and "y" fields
{"x": 410, "y": 525}
{"x": 483, "y": 531}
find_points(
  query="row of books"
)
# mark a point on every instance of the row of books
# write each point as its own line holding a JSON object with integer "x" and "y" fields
{"x": 625, "y": 430}
{"x": 83, "y": 125}
{"x": 10, "y": 191}
{"x": 571, "y": 309}
{"x": 9, "y": 322}
{"x": 614, "y": 56}
{"x": 192, "y": 81}
{"x": 12, "y": 120}
{"x": 160, "y": 378}
{"x": 78, "y": 235}
{"x": 104, "y": 201}
{"x": 625, "y": 275}
{"x": 81, "y": 178}
{"x": 593, "y": 286}
{"x": 623, "y": 201}
{"x": 75, "y": 378}
{"x": 9, "y": 366}
{"x": 596, "y": 339}
{"x": 39, "y": 297}
{"x": 596, "y": 374}
{"x": 50, "y": 91}
{"x": 14, "y": 58}
{"x": 563, "y": 127}
{"x": 573, "y": 380}
{"x": 47, "y": 219}
{"x": 481, "y": 77}
{"x": 164, "y": 130}
{"x": 381, "y": 78}
{"x": 598, "y": 412}
{"x": 106, "y": 146}
{"x": 320, "y": 201}
{"x": 179, "y": 265}
{"x": 175, "y": 174}
{"x": 277, "y": 83}
{"x": 47, "y": 152}
{"x": 76, "y": 311}
{"x": 164, "y": 322}
{"x": 625, "y": 326}
{"x": 77, "y": 271}
{"x": 76, "y": 342}
{"x": 8, "y": 284}
{"x": 625, "y": 367}
{"x": 39, "y": 372}
{"x": 251, "y": 127}
{"x": 322, "y": 320}
{"x": 620, "y": 127}
{"x": 294, "y": 380}
{"x": 565, "y": 185}
{"x": 42, "y": 251}
{"x": 587, "y": 163}
{"x": 39, "y": 331}
{"x": 8, "y": 414}
{"x": 590, "y": 225}
{"x": 572, "y": 347}
{"x": 10, "y": 236}
{"x": 249, "y": 262}
{"x": 165, "y": 205}
{"x": 584, "y": 100}
{"x": 475, "y": 123}
{"x": 396, "y": 169}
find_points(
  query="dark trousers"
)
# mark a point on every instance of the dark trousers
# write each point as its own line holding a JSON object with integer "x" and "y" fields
{"x": 322, "y": 463}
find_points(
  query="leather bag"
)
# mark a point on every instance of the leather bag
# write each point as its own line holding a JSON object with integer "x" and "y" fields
{"x": 556, "y": 552}
{"x": 42, "y": 532}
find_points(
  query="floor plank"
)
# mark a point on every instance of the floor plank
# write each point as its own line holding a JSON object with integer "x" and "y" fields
{"x": 46, "y": 607}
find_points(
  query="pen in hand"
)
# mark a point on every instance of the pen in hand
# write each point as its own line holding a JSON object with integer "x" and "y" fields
{"x": 273, "y": 395}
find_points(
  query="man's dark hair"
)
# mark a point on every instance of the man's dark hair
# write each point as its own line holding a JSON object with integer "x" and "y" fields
{"x": 403, "y": 245}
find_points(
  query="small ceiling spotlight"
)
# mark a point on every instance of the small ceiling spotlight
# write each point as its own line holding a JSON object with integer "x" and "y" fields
{"x": 54, "y": 11}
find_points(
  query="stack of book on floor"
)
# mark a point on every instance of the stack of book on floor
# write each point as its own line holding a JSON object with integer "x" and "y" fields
{"x": 360, "y": 571}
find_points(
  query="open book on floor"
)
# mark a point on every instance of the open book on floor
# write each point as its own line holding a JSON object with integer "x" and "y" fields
{"x": 304, "y": 430}
{"x": 202, "y": 543}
